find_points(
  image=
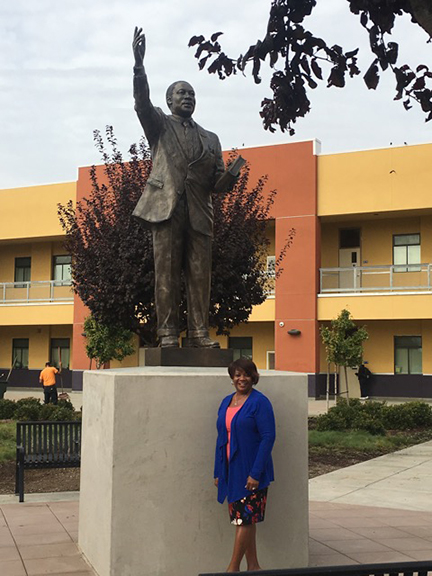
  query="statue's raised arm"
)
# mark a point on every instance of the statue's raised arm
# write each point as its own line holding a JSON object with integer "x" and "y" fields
{"x": 143, "y": 105}
{"x": 139, "y": 47}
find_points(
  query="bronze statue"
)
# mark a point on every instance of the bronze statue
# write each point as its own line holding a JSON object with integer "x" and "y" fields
{"x": 176, "y": 203}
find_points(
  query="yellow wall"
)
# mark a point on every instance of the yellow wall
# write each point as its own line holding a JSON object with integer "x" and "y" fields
{"x": 36, "y": 314}
{"x": 379, "y": 348}
{"x": 41, "y": 254}
{"x": 375, "y": 180}
{"x": 31, "y": 212}
{"x": 39, "y": 342}
{"x": 376, "y": 239}
{"x": 379, "y": 307}
{"x": 265, "y": 312}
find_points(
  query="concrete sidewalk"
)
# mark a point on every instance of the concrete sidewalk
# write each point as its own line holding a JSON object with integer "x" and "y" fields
{"x": 376, "y": 511}
{"x": 40, "y": 538}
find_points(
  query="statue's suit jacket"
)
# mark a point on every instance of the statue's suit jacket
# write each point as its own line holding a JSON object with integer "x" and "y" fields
{"x": 172, "y": 174}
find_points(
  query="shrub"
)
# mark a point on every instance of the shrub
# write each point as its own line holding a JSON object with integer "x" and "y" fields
{"x": 333, "y": 420}
{"x": 29, "y": 411}
{"x": 373, "y": 409}
{"x": 66, "y": 404}
{"x": 7, "y": 409}
{"x": 375, "y": 417}
{"x": 62, "y": 413}
{"x": 369, "y": 423}
{"x": 28, "y": 401}
{"x": 32, "y": 409}
{"x": 46, "y": 412}
{"x": 395, "y": 418}
{"x": 421, "y": 413}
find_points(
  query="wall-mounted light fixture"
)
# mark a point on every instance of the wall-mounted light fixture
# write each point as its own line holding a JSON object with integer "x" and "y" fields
{"x": 294, "y": 332}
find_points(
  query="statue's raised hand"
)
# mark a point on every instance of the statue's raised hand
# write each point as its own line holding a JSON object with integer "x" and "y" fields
{"x": 139, "y": 46}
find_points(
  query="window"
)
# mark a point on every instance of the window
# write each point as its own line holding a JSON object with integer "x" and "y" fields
{"x": 242, "y": 347}
{"x": 408, "y": 354}
{"x": 20, "y": 352}
{"x": 22, "y": 270}
{"x": 62, "y": 269}
{"x": 271, "y": 265}
{"x": 60, "y": 350}
{"x": 270, "y": 360}
{"x": 406, "y": 252}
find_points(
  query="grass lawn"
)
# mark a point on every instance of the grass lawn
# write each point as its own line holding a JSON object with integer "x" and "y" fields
{"x": 7, "y": 441}
{"x": 331, "y": 450}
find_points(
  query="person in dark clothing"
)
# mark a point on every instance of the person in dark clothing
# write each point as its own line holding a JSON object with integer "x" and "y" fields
{"x": 364, "y": 375}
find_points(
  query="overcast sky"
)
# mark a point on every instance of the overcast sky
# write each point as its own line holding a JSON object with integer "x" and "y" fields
{"x": 66, "y": 69}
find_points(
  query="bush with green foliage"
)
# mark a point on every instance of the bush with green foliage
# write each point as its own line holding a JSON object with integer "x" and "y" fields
{"x": 375, "y": 417}
{"x": 333, "y": 420}
{"x": 31, "y": 409}
{"x": 7, "y": 409}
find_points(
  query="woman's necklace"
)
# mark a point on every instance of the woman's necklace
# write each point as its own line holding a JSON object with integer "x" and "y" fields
{"x": 236, "y": 400}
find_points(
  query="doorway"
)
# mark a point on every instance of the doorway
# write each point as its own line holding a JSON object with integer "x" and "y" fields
{"x": 349, "y": 258}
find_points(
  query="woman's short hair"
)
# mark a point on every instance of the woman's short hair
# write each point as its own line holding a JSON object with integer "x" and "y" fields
{"x": 247, "y": 366}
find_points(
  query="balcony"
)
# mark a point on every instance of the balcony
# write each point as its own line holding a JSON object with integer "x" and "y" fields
{"x": 367, "y": 280}
{"x": 44, "y": 291}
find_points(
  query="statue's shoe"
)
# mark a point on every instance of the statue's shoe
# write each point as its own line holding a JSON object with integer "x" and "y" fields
{"x": 168, "y": 342}
{"x": 202, "y": 342}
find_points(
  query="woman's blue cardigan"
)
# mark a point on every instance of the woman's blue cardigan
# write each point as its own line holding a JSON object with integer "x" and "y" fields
{"x": 252, "y": 437}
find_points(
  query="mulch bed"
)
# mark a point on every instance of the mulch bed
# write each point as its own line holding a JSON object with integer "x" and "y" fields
{"x": 325, "y": 462}
{"x": 55, "y": 480}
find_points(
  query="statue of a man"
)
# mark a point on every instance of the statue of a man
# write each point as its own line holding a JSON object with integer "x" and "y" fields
{"x": 177, "y": 205}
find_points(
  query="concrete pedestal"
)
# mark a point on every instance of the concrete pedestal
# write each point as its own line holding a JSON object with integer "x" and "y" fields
{"x": 148, "y": 504}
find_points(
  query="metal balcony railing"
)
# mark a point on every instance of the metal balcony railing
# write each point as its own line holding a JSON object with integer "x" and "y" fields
{"x": 40, "y": 291}
{"x": 367, "y": 279}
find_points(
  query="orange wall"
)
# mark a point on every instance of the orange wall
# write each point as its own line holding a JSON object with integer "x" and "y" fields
{"x": 292, "y": 171}
{"x": 80, "y": 360}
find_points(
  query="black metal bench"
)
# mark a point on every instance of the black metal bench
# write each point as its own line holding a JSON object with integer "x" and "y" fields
{"x": 390, "y": 569}
{"x": 46, "y": 445}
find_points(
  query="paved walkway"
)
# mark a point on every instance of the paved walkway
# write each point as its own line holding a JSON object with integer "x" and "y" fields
{"x": 40, "y": 538}
{"x": 376, "y": 511}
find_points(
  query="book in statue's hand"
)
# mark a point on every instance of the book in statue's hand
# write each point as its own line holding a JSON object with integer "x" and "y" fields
{"x": 228, "y": 178}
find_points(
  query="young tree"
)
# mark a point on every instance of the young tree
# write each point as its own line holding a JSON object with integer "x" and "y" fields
{"x": 112, "y": 256}
{"x": 105, "y": 343}
{"x": 343, "y": 342}
{"x": 297, "y": 56}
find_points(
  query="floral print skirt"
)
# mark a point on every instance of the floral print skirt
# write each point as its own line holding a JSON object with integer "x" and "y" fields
{"x": 248, "y": 510}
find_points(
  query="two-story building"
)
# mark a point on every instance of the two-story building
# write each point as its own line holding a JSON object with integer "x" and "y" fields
{"x": 363, "y": 223}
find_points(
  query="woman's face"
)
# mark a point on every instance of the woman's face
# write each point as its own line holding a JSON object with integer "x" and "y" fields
{"x": 242, "y": 382}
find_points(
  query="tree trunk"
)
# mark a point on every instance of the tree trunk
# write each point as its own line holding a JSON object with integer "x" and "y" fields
{"x": 346, "y": 383}
{"x": 422, "y": 12}
{"x": 328, "y": 387}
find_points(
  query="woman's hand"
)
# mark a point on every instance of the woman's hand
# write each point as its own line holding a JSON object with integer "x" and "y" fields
{"x": 251, "y": 484}
{"x": 216, "y": 482}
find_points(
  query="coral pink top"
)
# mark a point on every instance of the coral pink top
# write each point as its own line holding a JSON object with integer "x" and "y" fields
{"x": 230, "y": 413}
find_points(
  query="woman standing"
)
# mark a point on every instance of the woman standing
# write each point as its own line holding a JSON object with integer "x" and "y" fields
{"x": 243, "y": 463}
